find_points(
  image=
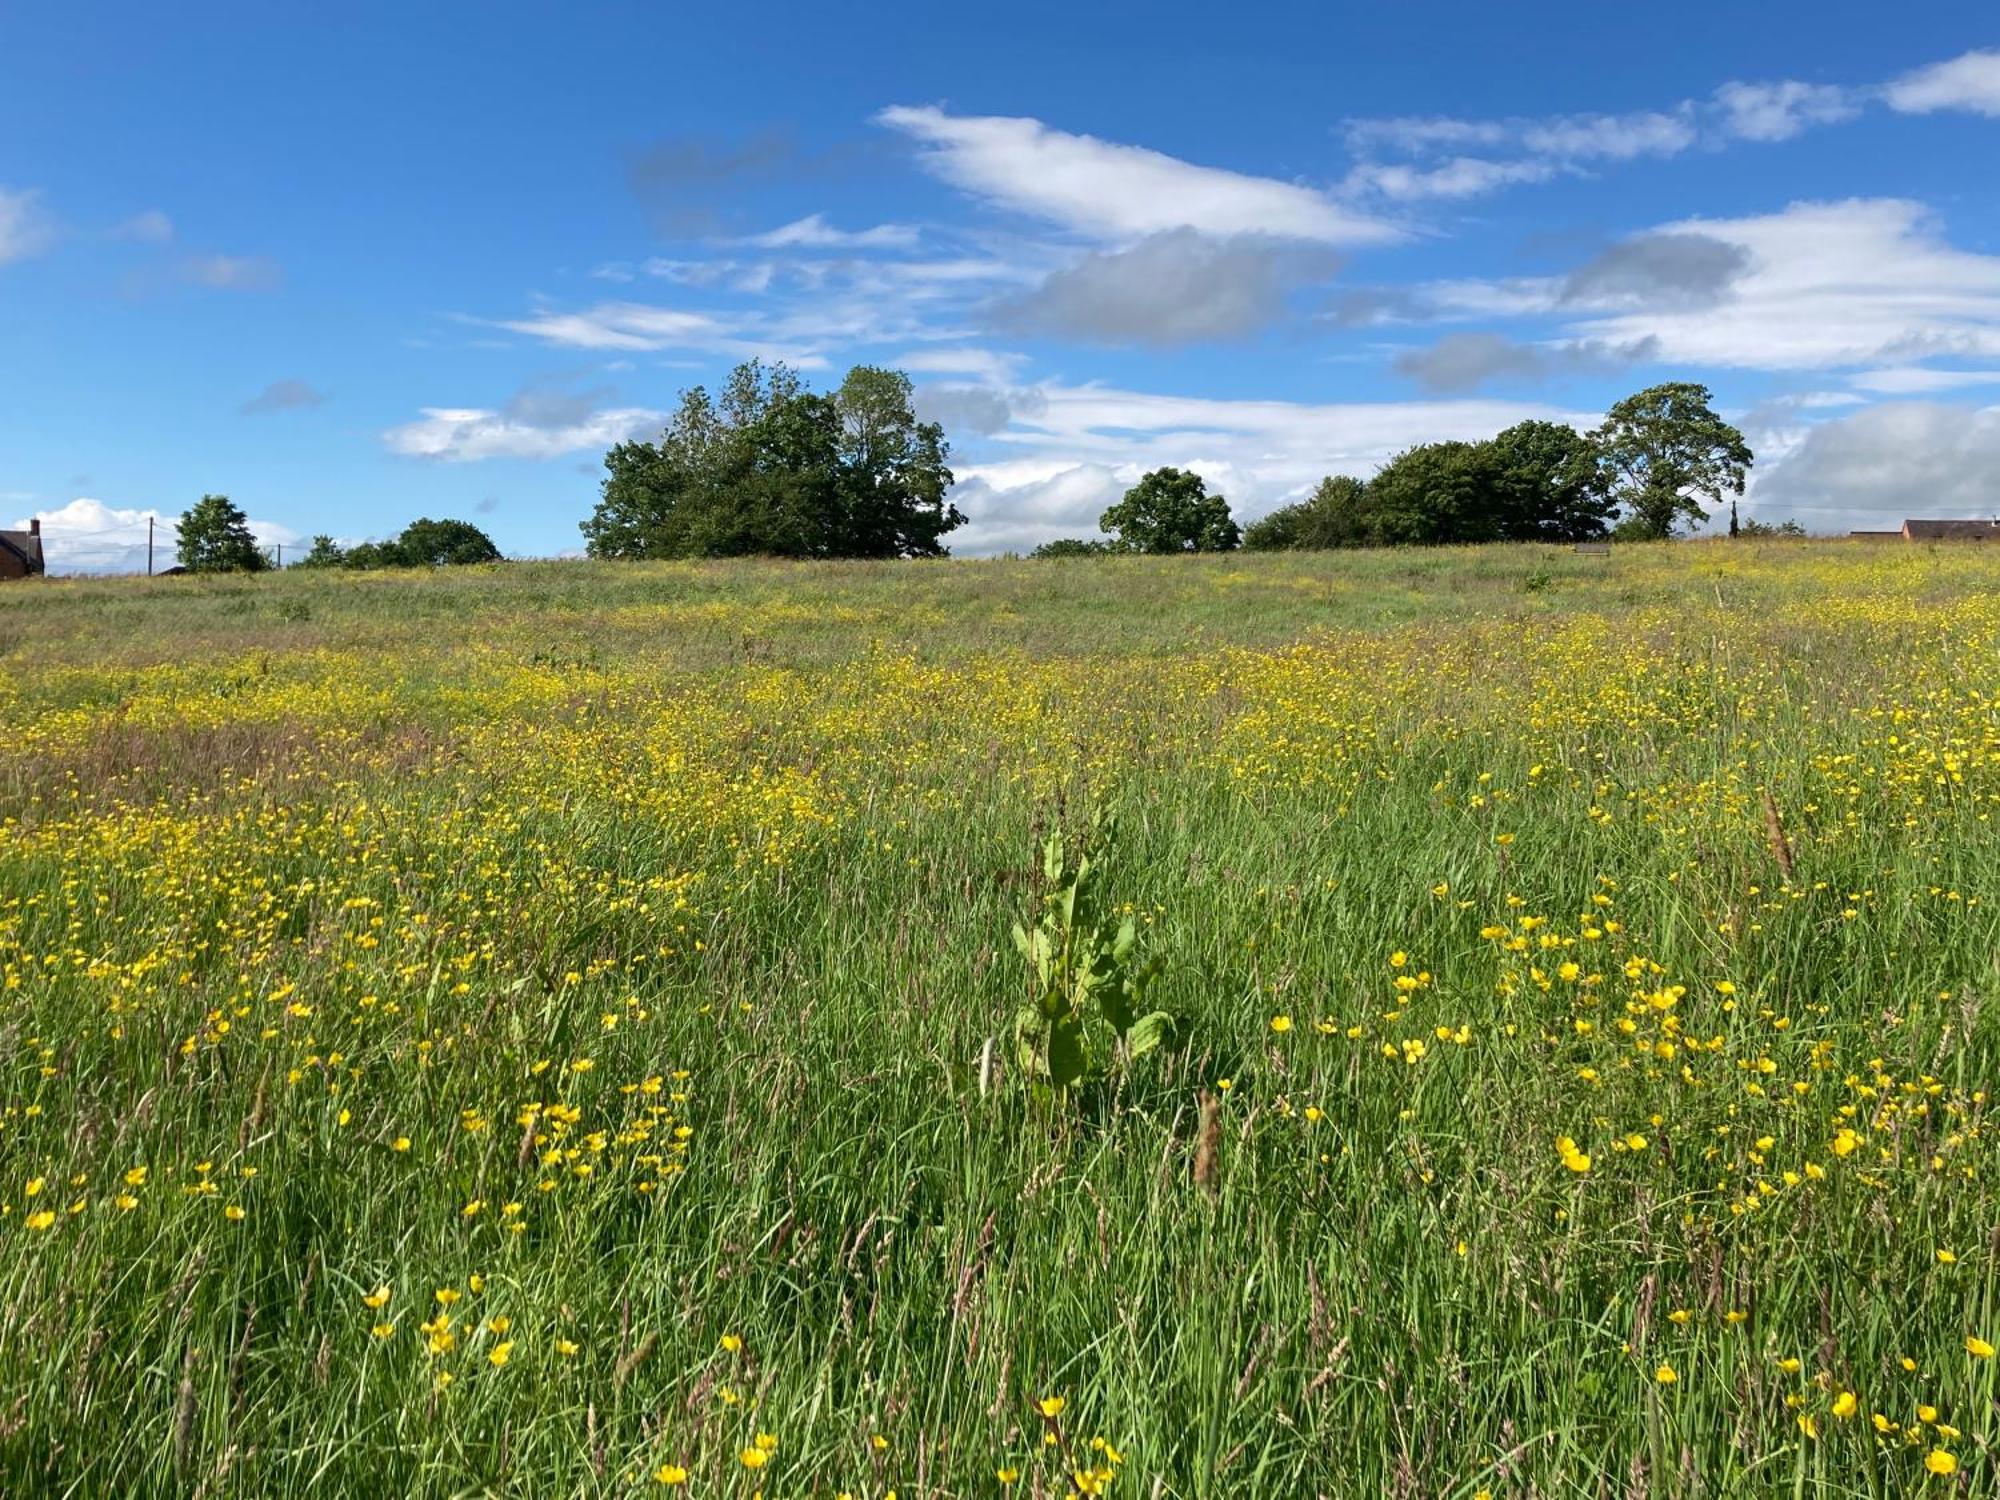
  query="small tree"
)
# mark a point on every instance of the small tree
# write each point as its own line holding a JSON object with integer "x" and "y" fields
{"x": 215, "y": 538}
{"x": 324, "y": 553}
{"x": 1071, "y": 546}
{"x": 1662, "y": 452}
{"x": 1170, "y": 510}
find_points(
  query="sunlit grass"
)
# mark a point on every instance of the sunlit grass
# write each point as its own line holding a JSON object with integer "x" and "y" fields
{"x": 528, "y": 1031}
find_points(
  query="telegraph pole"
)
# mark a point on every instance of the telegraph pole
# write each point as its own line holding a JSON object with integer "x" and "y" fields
{"x": 149, "y": 546}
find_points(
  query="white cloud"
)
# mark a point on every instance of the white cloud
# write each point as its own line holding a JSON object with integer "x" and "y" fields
{"x": 1611, "y": 137}
{"x": 473, "y": 434}
{"x": 1461, "y": 177}
{"x": 88, "y": 536}
{"x": 233, "y": 273}
{"x": 26, "y": 228}
{"x": 1825, "y": 285}
{"x": 1815, "y": 286}
{"x": 1116, "y": 192}
{"x": 991, "y": 365}
{"x": 1779, "y": 111}
{"x": 151, "y": 227}
{"x": 1969, "y": 82}
{"x": 1873, "y": 469}
{"x": 1078, "y": 447}
{"x": 622, "y": 325}
{"x": 1525, "y": 149}
{"x": 814, "y": 233}
{"x": 1916, "y": 380}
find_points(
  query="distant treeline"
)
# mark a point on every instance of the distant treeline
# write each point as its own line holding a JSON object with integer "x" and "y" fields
{"x": 1649, "y": 468}
{"x": 423, "y": 543}
{"x": 214, "y": 536}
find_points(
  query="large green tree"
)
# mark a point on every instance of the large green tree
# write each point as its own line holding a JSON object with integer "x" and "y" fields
{"x": 1663, "y": 452}
{"x": 774, "y": 469}
{"x": 1335, "y": 514}
{"x": 1547, "y": 484}
{"x": 1434, "y": 493}
{"x": 425, "y": 543}
{"x": 215, "y": 538}
{"x": 1170, "y": 510}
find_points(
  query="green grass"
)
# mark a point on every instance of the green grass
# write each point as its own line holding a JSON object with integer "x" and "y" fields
{"x": 293, "y": 868}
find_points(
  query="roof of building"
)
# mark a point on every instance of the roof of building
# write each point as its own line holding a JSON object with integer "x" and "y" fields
{"x": 1931, "y": 531}
{"x": 26, "y": 545}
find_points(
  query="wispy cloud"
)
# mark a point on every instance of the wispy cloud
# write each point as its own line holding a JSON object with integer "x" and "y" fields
{"x": 1970, "y": 82}
{"x": 26, "y": 227}
{"x": 1117, "y": 192}
{"x": 150, "y": 228}
{"x": 814, "y": 233}
{"x": 471, "y": 434}
{"x": 233, "y": 273}
{"x": 1415, "y": 157}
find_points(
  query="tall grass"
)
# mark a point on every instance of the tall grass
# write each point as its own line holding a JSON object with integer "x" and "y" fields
{"x": 613, "y": 964}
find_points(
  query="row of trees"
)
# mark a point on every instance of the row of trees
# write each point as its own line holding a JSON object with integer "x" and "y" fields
{"x": 773, "y": 469}
{"x": 1656, "y": 462}
{"x": 423, "y": 543}
{"x": 215, "y": 537}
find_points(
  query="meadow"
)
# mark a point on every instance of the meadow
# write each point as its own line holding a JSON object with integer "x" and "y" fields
{"x": 554, "y": 1029}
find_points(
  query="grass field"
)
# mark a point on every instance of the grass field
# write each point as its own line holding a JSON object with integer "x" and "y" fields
{"x": 552, "y": 1031}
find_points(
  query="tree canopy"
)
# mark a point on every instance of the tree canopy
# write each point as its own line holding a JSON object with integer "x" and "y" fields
{"x": 215, "y": 538}
{"x": 1170, "y": 510}
{"x": 1334, "y": 515}
{"x": 774, "y": 469}
{"x": 1661, "y": 452}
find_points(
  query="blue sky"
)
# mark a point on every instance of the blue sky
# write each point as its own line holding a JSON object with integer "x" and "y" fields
{"x": 434, "y": 259}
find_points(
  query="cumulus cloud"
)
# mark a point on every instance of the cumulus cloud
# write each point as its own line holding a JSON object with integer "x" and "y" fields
{"x": 26, "y": 227}
{"x": 1825, "y": 285}
{"x": 1175, "y": 287}
{"x": 1969, "y": 82}
{"x": 89, "y": 536}
{"x": 1815, "y": 286}
{"x": 1882, "y": 464}
{"x": 1466, "y": 361}
{"x": 1117, "y": 192}
{"x": 282, "y": 395}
